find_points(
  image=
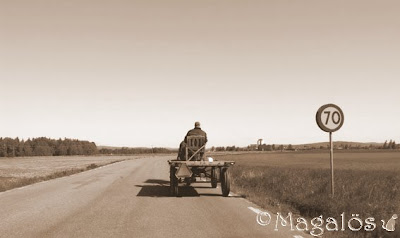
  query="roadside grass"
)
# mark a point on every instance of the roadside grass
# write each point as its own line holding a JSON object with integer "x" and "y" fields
{"x": 306, "y": 192}
{"x": 7, "y": 183}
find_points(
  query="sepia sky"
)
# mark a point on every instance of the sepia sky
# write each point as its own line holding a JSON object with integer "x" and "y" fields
{"x": 140, "y": 73}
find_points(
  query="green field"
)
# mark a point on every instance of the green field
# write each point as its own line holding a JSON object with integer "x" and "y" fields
{"x": 366, "y": 183}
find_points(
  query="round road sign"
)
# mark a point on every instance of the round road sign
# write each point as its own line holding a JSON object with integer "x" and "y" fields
{"x": 330, "y": 117}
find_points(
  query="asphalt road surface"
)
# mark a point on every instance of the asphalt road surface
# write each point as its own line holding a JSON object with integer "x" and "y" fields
{"x": 128, "y": 199}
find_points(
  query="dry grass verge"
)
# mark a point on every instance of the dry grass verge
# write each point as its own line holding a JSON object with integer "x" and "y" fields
{"x": 306, "y": 191}
{"x": 7, "y": 183}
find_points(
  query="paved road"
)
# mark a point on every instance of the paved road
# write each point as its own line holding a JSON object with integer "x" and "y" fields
{"x": 127, "y": 199}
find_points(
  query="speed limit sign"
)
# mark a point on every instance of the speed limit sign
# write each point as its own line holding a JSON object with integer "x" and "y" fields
{"x": 330, "y": 117}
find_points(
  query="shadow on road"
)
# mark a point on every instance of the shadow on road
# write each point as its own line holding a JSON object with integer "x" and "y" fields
{"x": 158, "y": 181}
{"x": 160, "y": 188}
{"x": 163, "y": 191}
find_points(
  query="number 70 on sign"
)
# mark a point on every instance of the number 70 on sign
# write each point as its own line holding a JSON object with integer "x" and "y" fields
{"x": 330, "y": 118}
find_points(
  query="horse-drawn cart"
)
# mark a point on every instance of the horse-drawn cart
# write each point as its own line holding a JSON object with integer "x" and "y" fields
{"x": 194, "y": 165}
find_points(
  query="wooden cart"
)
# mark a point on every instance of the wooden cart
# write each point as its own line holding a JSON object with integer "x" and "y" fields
{"x": 195, "y": 165}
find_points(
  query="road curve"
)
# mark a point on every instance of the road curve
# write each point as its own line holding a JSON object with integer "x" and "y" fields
{"x": 127, "y": 199}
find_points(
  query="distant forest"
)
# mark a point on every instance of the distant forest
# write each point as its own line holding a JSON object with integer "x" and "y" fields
{"x": 340, "y": 145}
{"x": 45, "y": 147}
{"x": 128, "y": 151}
{"x": 50, "y": 147}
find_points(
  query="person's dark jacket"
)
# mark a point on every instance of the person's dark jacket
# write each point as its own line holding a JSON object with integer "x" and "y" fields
{"x": 196, "y": 132}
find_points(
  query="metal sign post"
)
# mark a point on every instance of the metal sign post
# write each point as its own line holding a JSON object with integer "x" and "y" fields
{"x": 330, "y": 118}
{"x": 332, "y": 181}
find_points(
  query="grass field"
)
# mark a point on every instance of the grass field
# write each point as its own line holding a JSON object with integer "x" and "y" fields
{"x": 21, "y": 171}
{"x": 366, "y": 183}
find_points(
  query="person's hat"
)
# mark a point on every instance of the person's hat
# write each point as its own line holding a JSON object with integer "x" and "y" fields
{"x": 197, "y": 124}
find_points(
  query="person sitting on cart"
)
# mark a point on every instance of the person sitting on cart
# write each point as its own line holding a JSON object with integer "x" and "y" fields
{"x": 196, "y": 131}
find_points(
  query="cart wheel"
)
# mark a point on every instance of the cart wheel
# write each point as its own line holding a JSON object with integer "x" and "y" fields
{"x": 214, "y": 178}
{"x": 225, "y": 182}
{"x": 188, "y": 181}
{"x": 176, "y": 190}
{"x": 173, "y": 182}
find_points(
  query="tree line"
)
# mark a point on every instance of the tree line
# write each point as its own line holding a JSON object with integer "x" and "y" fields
{"x": 263, "y": 147}
{"x": 390, "y": 145}
{"x": 43, "y": 146}
{"x": 130, "y": 151}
